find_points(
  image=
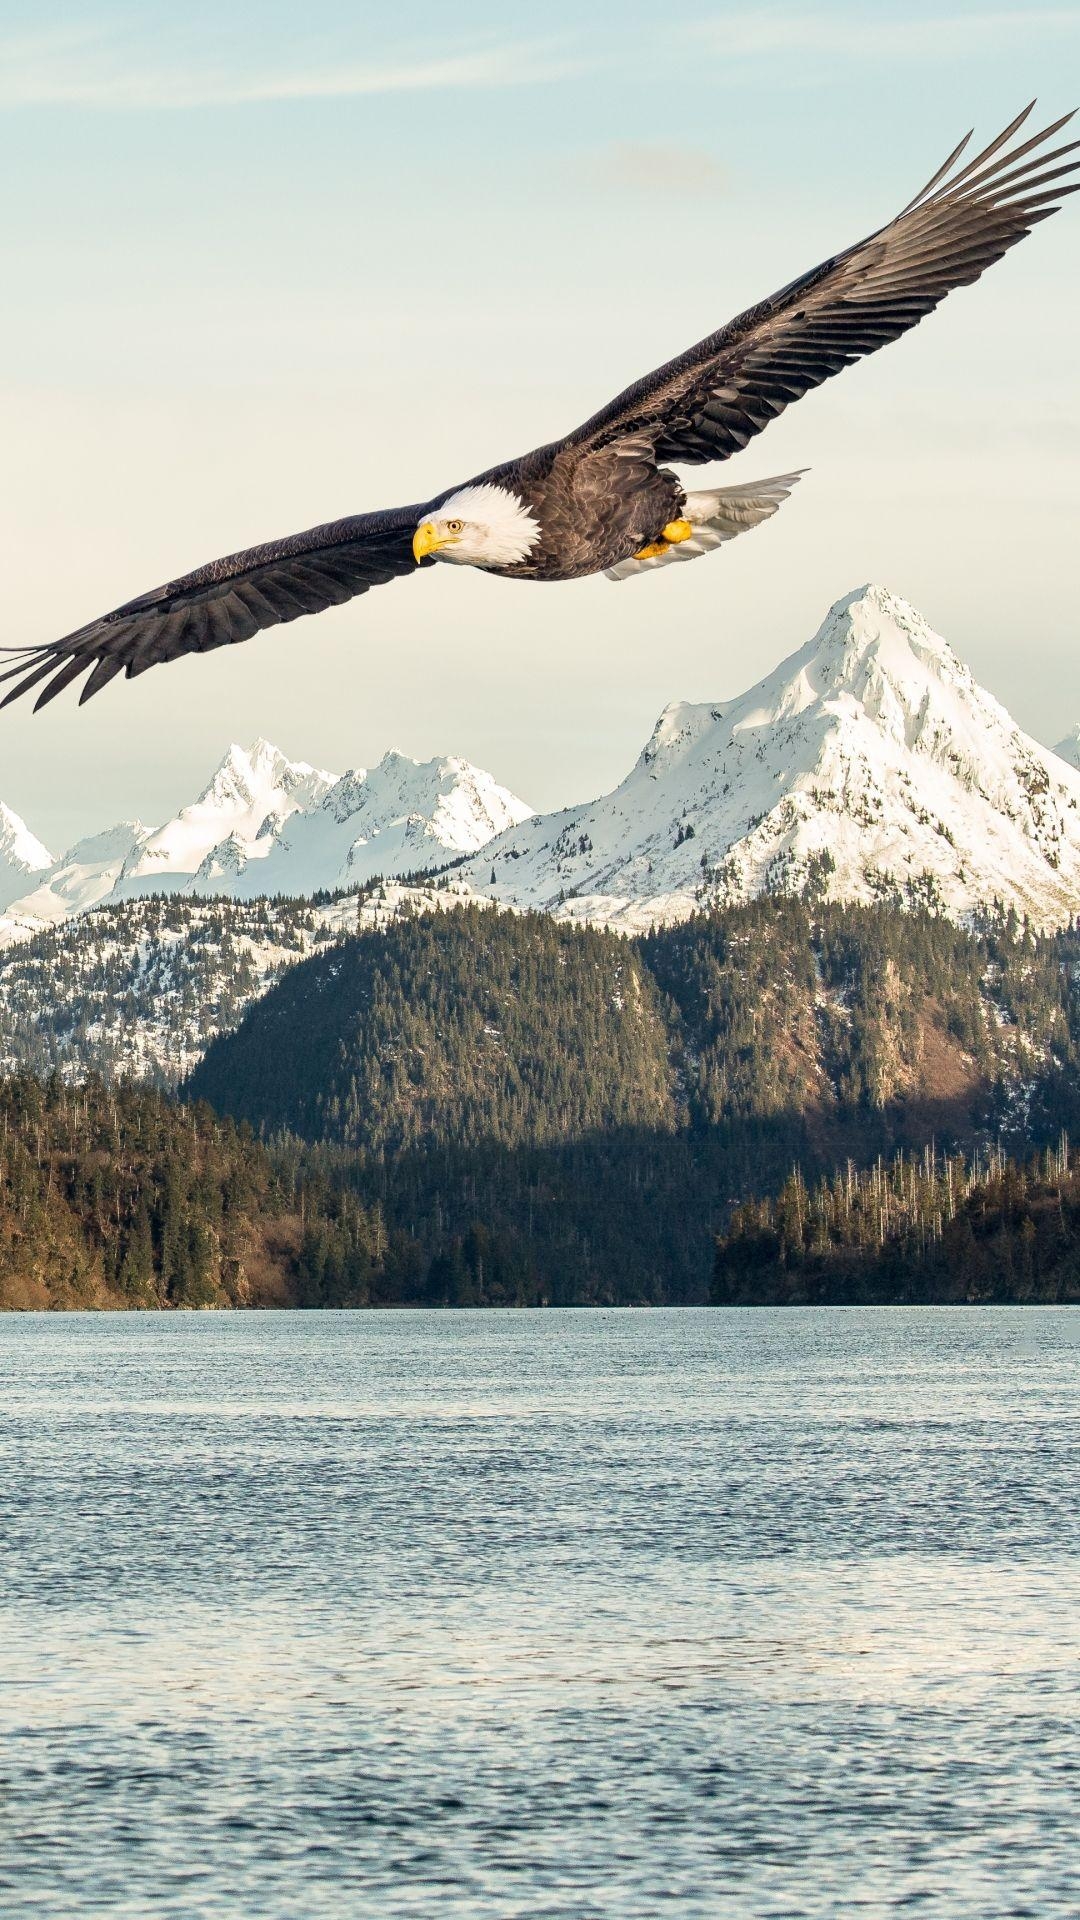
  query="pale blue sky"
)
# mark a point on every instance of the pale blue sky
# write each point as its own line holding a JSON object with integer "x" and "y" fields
{"x": 264, "y": 265}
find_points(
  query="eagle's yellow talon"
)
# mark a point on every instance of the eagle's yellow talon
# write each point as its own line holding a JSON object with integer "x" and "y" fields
{"x": 674, "y": 533}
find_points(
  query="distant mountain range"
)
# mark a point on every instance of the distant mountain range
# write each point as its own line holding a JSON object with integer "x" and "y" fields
{"x": 264, "y": 825}
{"x": 869, "y": 765}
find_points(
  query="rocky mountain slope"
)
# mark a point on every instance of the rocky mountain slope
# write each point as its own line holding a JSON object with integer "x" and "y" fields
{"x": 868, "y": 765}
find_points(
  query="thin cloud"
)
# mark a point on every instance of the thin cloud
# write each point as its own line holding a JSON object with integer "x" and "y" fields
{"x": 80, "y": 69}
{"x": 749, "y": 33}
{"x": 639, "y": 167}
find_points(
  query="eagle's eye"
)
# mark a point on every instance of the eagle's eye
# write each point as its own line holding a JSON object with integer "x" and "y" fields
{"x": 454, "y": 526}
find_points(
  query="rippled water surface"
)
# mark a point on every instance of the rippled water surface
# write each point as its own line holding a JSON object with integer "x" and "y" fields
{"x": 540, "y": 1614}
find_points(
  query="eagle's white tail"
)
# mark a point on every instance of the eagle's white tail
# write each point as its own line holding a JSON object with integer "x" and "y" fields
{"x": 717, "y": 516}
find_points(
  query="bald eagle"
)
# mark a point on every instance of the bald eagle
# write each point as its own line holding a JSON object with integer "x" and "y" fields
{"x": 602, "y": 500}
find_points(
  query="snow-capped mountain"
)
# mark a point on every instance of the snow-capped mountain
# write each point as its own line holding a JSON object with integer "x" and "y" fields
{"x": 20, "y": 856}
{"x": 869, "y": 764}
{"x": 265, "y": 825}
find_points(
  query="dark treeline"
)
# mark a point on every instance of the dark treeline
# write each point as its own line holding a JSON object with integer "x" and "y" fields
{"x": 919, "y": 1228}
{"x": 119, "y": 1197}
{"x": 614, "y": 1219}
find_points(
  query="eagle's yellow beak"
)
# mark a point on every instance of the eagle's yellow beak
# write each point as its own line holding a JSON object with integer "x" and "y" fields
{"x": 425, "y": 540}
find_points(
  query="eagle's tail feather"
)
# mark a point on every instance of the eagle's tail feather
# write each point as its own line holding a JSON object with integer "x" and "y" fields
{"x": 716, "y": 516}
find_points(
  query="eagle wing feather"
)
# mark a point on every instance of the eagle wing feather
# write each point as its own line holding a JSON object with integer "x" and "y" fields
{"x": 225, "y": 602}
{"x": 710, "y": 401}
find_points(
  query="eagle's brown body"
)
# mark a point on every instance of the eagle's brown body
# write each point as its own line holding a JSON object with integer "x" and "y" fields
{"x": 594, "y": 508}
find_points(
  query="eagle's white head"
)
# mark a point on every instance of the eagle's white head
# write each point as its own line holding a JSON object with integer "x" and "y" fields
{"x": 481, "y": 526}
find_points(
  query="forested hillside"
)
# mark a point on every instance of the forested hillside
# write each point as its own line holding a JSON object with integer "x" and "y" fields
{"x": 837, "y": 1017}
{"x": 475, "y": 1027}
{"x": 454, "y": 1030}
{"x": 596, "y": 1105}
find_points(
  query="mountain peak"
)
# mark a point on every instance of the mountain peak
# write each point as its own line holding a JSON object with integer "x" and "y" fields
{"x": 873, "y": 652}
{"x": 259, "y": 775}
{"x": 872, "y": 600}
{"x": 402, "y": 816}
{"x": 18, "y": 843}
{"x": 873, "y": 622}
{"x": 868, "y": 764}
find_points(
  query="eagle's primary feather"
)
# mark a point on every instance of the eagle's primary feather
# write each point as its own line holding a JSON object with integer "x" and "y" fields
{"x": 601, "y": 495}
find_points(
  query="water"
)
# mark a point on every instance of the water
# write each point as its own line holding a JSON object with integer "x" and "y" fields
{"x": 552, "y": 1614}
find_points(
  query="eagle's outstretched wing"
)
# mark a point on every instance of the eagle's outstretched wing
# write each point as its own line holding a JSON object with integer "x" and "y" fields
{"x": 224, "y": 602}
{"x": 709, "y": 402}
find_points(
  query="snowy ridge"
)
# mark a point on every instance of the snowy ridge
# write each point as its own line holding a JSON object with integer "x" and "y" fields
{"x": 403, "y": 817}
{"x": 870, "y": 764}
{"x": 246, "y": 804}
{"x": 87, "y": 873}
{"x": 150, "y": 981}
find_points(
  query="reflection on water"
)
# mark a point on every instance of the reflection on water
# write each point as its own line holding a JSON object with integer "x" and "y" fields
{"x": 559, "y": 1614}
